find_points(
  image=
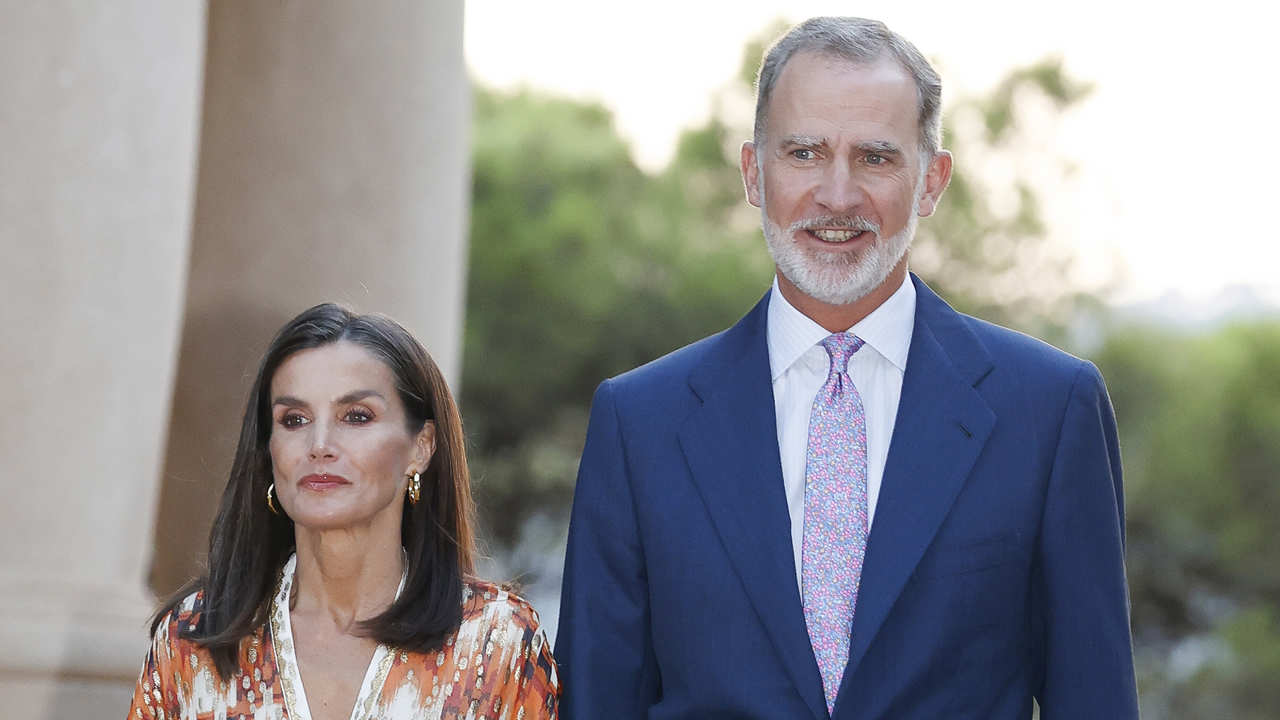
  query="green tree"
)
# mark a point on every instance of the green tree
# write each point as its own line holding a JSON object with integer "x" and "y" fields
{"x": 581, "y": 267}
{"x": 1200, "y": 423}
{"x": 987, "y": 249}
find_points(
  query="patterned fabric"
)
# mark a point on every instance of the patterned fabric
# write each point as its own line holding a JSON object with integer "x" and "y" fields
{"x": 835, "y": 514}
{"x": 498, "y": 665}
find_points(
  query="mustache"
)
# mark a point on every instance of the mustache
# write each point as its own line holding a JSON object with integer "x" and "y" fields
{"x": 854, "y": 222}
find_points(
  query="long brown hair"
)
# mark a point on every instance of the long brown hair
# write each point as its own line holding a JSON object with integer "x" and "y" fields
{"x": 248, "y": 545}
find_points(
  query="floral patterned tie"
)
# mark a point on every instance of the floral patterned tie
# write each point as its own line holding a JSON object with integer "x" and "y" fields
{"x": 835, "y": 514}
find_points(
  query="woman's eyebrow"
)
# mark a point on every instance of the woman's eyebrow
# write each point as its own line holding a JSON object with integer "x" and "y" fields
{"x": 358, "y": 395}
{"x": 353, "y": 396}
{"x": 289, "y": 401}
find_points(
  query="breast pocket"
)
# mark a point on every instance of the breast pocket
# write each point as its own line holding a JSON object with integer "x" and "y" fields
{"x": 985, "y": 580}
{"x": 948, "y": 557}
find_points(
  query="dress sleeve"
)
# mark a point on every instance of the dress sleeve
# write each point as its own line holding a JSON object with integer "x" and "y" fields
{"x": 534, "y": 692}
{"x": 154, "y": 698}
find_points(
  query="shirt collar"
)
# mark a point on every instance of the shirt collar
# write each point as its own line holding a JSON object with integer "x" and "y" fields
{"x": 790, "y": 333}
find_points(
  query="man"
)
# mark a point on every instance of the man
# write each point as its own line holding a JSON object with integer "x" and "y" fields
{"x": 856, "y": 502}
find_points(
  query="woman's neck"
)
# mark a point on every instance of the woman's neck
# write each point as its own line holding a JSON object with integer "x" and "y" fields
{"x": 345, "y": 575}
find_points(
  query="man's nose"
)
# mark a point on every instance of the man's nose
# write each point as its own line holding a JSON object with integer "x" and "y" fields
{"x": 840, "y": 190}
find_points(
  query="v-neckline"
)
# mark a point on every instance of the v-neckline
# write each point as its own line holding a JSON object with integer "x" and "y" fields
{"x": 295, "y": 696}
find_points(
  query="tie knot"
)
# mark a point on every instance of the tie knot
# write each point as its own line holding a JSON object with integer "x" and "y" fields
{"x": 840, "y": 347}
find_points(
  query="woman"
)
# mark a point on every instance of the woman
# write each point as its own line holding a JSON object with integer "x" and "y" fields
{"x": 339, "y": 575}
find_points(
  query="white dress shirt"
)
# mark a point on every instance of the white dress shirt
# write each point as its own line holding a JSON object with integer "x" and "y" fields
{"x": 800, "y": 365}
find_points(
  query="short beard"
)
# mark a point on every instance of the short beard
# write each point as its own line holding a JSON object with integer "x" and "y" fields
{"x": 835, "y": 277}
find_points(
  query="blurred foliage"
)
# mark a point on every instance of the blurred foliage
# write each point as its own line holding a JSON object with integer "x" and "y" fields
{"x": 1200, "y": 429}
{"x": 986, "y": 249}
{"x": 583, "y": 266}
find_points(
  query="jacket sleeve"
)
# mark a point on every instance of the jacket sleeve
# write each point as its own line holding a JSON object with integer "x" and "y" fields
{"x": 604, "y": 646}
{"x": 1084, "y": 601}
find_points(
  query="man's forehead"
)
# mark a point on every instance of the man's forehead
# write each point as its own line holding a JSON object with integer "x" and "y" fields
{"x": 807, "y": 63}
{"x": 818, "y": 93}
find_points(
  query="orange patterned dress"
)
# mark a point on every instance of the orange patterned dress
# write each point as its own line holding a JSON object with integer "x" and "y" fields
{"x": 498, "y": 665}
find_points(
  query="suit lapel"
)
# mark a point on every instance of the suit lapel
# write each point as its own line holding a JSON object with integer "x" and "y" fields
{"x": 730, "y": 443}
{"x": 941, "y": 428}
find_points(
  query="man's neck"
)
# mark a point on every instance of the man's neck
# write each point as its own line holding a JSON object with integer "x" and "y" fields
{"x": 839, "y": 318}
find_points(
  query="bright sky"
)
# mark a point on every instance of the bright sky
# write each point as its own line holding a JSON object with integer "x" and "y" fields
{"x": 1175, "y": 149}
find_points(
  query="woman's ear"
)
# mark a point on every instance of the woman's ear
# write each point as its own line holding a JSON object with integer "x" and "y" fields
{"x": 424, "y": 448}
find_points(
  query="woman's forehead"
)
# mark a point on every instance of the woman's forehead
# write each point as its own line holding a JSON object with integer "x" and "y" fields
{"x": 331, "y": 371}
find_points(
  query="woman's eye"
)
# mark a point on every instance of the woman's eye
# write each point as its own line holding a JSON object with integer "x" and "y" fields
{"x": 293, "y": 420}
{"x": 358, "y": 416}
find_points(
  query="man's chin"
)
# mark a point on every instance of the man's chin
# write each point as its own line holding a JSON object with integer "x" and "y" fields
{"x": 836, "y": 259}
{"x": 835, "y": 278}
{"x": 833, "y": 291}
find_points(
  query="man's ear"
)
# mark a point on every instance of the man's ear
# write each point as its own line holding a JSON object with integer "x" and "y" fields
{"x": 936, "y": 177}
{"x": 751, "y": 173}
{"x": 424, "y": 448}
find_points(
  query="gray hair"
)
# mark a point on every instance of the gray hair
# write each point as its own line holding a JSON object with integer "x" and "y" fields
{"x": 857, "y": 40}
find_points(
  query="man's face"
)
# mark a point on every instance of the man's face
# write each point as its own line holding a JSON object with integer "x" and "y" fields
{"x": 838, "y": 175}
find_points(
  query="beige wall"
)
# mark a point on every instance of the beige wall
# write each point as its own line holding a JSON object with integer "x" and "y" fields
{"x": 99, "y": 114}
{"x": 333, "y": 166}
{"x": 139, "y": 290}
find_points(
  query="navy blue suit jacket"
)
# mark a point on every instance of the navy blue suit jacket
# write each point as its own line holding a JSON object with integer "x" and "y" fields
{"x": 994, "y": 570}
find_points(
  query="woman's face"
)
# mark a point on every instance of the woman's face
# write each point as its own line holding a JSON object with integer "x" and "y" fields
{"x": 340, "y": 449}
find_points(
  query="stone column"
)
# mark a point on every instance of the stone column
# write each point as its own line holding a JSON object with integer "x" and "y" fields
{"x": 333, "y": 166}
{"x": 99, "y": 107}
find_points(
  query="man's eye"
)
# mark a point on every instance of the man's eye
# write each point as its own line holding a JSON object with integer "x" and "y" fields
{"x": 293, "y": 420}
{"x": 876, "y": 159}
{"x": 803, "y": 154}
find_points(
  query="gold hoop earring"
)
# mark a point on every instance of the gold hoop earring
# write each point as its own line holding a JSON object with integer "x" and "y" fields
{"x": 271, "y": 505}
{"x": 414, "y": 491}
